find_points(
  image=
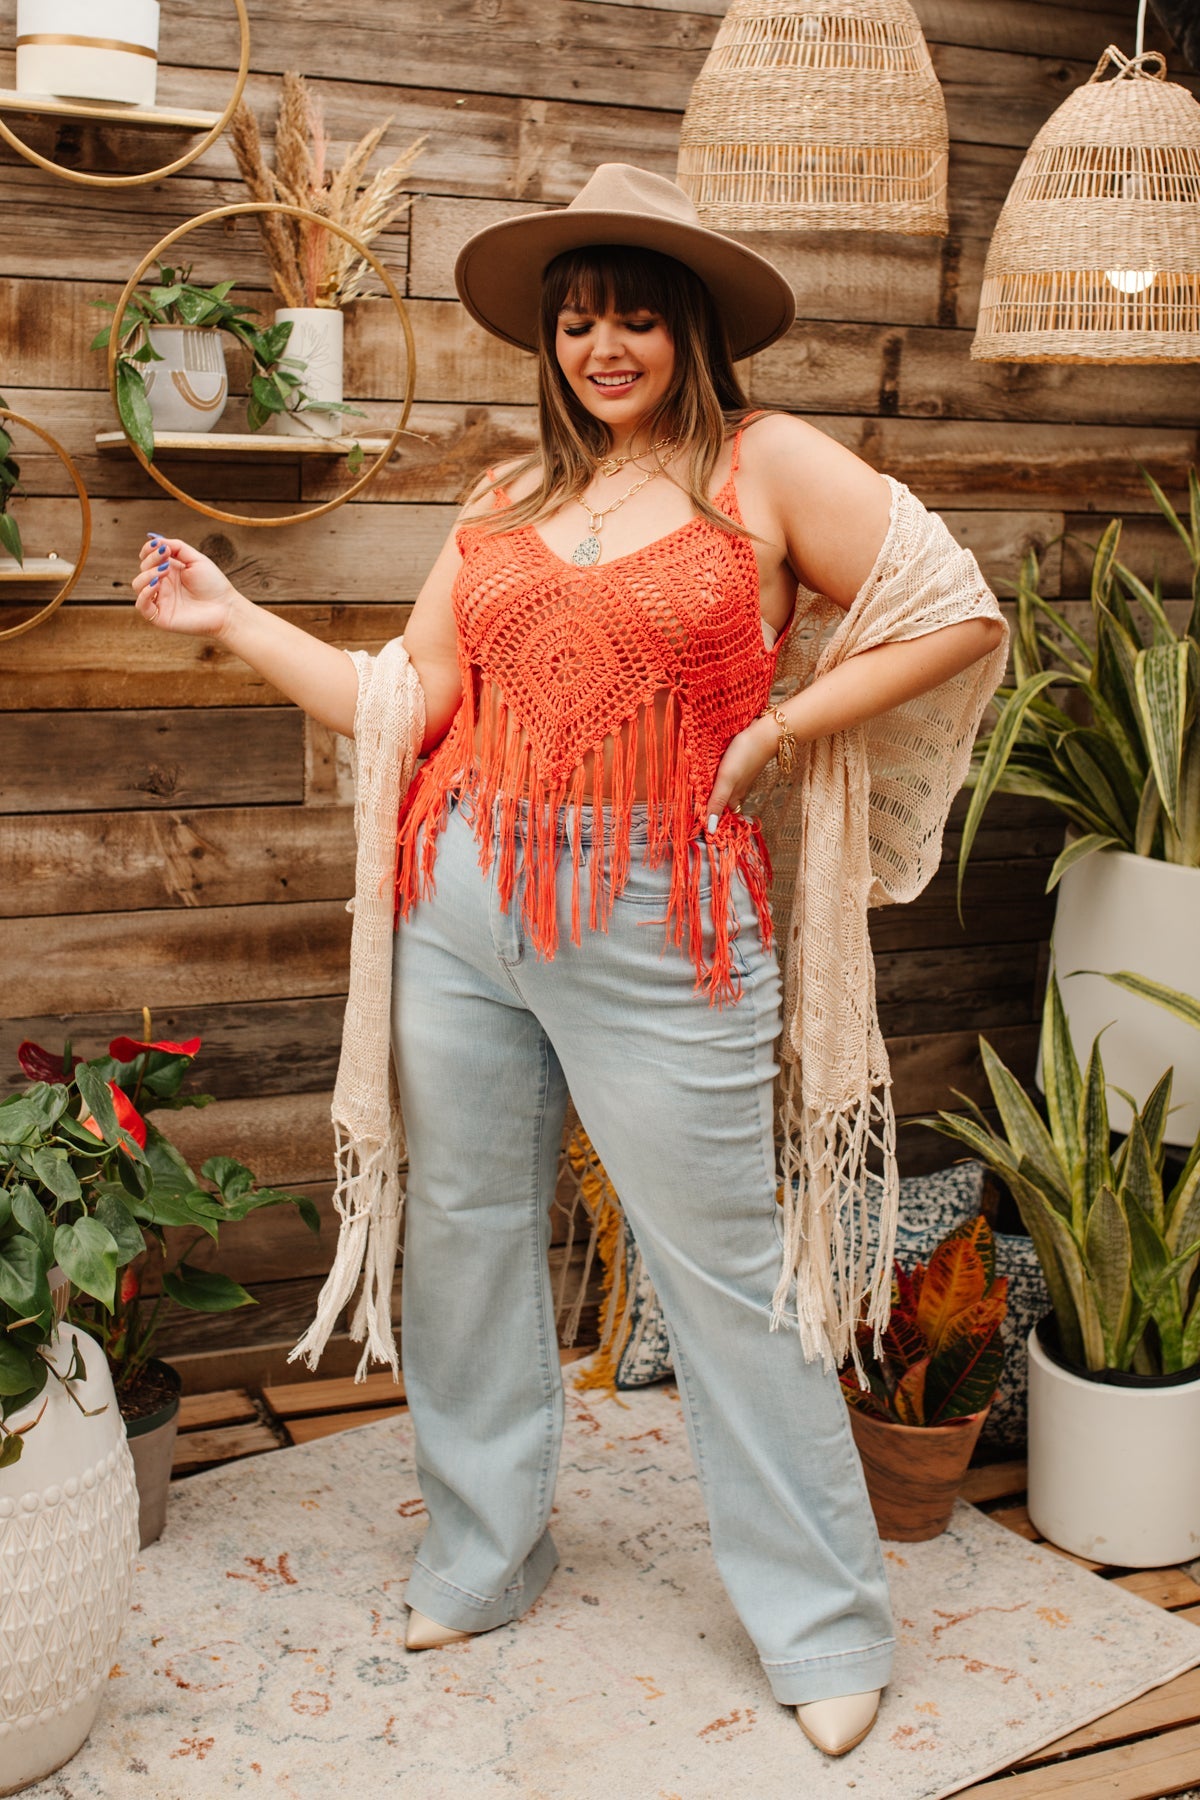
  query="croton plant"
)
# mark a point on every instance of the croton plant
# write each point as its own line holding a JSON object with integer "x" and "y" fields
{"x": 90, "y": 1186}
{"x": 942, "y": 1352}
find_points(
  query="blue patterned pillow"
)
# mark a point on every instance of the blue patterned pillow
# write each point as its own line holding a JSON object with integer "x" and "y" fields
{"x": 930, "y": 1206}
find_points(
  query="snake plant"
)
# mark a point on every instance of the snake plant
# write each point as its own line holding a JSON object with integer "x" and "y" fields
{"x": 1123, "y": 764}
{"x": 1120, "y": 1250}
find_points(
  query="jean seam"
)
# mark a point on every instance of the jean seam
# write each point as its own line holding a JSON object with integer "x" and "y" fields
{"x": 538, "y": 1272}
{"x": 467, "y": 1593}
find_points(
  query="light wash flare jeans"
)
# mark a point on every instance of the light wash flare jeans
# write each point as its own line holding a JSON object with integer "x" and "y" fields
{"x": 676, "y": 1096}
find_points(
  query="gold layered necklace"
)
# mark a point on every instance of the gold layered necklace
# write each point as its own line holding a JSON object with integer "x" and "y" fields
{"x": 587, "y": 550}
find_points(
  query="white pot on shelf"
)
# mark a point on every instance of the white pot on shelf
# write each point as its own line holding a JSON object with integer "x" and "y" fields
{"x": 88, "y": 49}
{"x": 316, "y": 341}
{"x": 1114, "y": 1471}
{"x": 68, "y": 1546}
{"x": 188, "y": 389}
{"x": 1119, "y": 911}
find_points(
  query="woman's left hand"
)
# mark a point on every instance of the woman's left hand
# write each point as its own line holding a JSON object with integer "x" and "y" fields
{"x": 745, "y": 758}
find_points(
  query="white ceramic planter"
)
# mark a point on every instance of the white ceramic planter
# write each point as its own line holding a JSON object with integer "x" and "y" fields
{"x": 316, "y": 340}
{"x": 189, "y": 388}
{"x": 1117, "y": 911}
{"x": 1114, "y": 1472}
{"x": 88, "y": 49}
{"x": 68, "y": 1543}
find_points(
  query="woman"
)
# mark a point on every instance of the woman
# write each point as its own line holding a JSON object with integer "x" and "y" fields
{"x": 583, "y": 905}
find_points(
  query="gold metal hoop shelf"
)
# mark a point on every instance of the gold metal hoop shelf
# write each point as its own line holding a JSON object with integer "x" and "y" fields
{"x": 252, "y": 441}
{"x": 245, "y": 443}
{"x": 45, "y": 568}
{"x": 172, "y": 118}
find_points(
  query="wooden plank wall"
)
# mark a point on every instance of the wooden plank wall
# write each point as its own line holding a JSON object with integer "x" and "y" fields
{"x": 171, "y": 836}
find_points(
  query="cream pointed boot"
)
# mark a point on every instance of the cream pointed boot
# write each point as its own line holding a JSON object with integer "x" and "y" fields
{"x": 427, "y": 1634}
{"x": 835, "y": 1726}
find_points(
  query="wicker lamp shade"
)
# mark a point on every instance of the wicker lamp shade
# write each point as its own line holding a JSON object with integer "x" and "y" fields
{"x": 1096, "y": 254}
{"x": 817, "y": 115}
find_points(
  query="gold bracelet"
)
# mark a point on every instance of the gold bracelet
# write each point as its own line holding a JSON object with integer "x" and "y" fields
{"x": 785, "y": 749}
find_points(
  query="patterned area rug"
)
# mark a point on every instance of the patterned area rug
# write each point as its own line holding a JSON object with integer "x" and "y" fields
{"x": 265, "y": 1651}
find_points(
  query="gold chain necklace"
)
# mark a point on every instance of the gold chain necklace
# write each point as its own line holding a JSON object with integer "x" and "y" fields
{"x": 587, "y": 550}
{"x": 610, "y": 465}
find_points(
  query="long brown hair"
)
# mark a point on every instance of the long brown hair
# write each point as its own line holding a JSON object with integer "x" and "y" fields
{"x": 704, "y": 402}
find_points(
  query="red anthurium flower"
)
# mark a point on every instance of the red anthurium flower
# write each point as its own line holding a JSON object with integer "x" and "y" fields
{"x": 130, "y": 1285}
{"x": 128, "y": 1117}
{"x": 39, "y": 1064}
{"x": 125, "y": 1049}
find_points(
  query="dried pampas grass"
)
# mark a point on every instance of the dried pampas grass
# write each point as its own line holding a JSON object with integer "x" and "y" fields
{"x": 311, "y": 266}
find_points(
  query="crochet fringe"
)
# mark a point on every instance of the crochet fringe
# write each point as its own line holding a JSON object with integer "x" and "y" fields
{"x": 512, "y": 800}
{"x": 389, "y": 726}
{"x": 831, "y": 1279}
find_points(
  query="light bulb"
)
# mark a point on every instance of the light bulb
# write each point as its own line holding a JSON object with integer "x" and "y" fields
{"x": 1131, "y": 281}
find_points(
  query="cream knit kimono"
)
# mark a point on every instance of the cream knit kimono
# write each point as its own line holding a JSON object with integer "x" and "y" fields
{"x": 860, "y": 826}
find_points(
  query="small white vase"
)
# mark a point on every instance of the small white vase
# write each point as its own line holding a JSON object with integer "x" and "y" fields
{"x": 316, "y": 341}
{"x": 88, "y": 49}
{"x": 1114, "y": 1471}
{"x": 1118, "y": 911}
{"x": 189, "y": 387}
{"x": 68, "y": 1545}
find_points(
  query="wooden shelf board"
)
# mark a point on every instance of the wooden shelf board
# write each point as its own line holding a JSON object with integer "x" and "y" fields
{"x": 37, "y": 568}
{"x": 244, "y": 443}
{"x": 109, "y": 112}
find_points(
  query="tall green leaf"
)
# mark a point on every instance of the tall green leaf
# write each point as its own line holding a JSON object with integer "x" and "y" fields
{"x": 1141, "y": 1183}
{"x": 1096, "y": 1164}
{"x": 1061, "y": 1080}
{"x": 1076, "y": 850}
{"x": 1026, "y": 1131}
{"x": 133, "y": 408}
{"x": 1108, "y": 1247}
{"x": 1161, "y": 675}
{"x": 1183, "y": 1006}
{"x": 999, "y": 748}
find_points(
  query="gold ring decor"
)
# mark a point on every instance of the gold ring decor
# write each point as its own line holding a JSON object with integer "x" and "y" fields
{"x": 83, "y": 179}
{"x": 250, "y": 207}
{"x": 85, "y": 523}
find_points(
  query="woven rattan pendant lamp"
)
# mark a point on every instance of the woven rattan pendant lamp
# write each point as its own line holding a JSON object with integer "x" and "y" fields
{"x": 1096, "y": 254}
{"x": 817, "y": 115}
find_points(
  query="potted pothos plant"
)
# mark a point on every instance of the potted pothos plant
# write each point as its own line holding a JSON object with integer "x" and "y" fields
{"x": 97, "y": 1189}
{"x": 930, "y": 1384}
{"x": 1114, "y": 1370}
{"x": 1104, "y": 723}
{"x": 10, "y": 484}
{"x": 180, "y": 325}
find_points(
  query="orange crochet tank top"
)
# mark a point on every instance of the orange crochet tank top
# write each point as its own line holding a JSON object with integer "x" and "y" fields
{"x": 589, "y": 687}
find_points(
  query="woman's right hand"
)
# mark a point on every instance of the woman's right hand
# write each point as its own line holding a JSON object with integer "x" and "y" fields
{"x": 180, "y": 589}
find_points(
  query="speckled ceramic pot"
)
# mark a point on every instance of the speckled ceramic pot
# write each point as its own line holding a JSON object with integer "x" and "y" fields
{"x": 68, "y": 1543}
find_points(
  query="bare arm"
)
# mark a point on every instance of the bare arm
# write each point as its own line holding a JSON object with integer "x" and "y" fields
{"x": 179, "y": 589}
{"x": 831, "y": 511}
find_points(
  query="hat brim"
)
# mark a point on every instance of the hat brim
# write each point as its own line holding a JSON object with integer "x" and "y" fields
{"x": 499, "y": 271}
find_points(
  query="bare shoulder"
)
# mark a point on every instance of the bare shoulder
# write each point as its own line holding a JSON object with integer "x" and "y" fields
{"x": 829, "y": 506}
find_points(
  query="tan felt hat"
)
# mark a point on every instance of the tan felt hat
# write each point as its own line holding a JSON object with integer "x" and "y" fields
{"x": 499, "y": 271}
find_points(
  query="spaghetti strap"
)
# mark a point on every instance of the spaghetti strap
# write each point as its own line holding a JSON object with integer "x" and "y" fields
{"x": 736, "y": 457}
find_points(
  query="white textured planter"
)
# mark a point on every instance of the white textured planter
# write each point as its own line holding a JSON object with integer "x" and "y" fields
{"x": 189, "y": 388}
{"x": 1117, "y": 911}
{"x": 68, "y": 1543}
{"x": 1114, "y": 1472}
{"x": 316, "y": 340}
{"x": 88, "y": 49}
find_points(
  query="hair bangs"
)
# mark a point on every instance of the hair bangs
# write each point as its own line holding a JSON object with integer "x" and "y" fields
{"x": 615, "y": 278}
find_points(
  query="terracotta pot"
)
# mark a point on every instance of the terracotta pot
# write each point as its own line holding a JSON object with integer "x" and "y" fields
{"x": 914, "y": 1472}
{"x": 152, "y": 1446}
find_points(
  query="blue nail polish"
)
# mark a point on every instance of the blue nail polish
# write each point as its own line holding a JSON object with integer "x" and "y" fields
{"x": 154, "y": 581}
{"x": 162, "y": 567}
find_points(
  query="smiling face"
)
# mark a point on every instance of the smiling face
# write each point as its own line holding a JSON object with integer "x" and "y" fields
{"x": 618, "y": 364}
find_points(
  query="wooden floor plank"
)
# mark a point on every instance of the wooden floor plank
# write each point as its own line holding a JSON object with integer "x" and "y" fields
{"x": 303, "y": 1431}
{"x": 994, "y": 1481}
{"x": 231, "y": 1406}
{"x": 1148, "y": 1770}
{"x": 299, "y": 1399}
{"x": 1016, "y": 1518}
{"x": 1174, "y": 1703}
{"x": 196, "y": 1449}
{"x": 1165, "y": 1587}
